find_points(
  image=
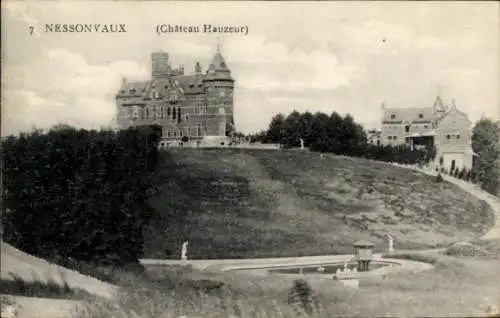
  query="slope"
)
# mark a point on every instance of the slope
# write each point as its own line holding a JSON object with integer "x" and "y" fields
{"x": 243, "y": 203}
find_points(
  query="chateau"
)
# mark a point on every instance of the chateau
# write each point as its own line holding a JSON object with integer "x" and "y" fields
{"x": 196, "y": 108}
{"x": 445, "y": 127}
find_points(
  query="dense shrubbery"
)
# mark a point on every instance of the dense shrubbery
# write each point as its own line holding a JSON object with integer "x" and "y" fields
{"x": 486, "y": 143}
{"x": 78, "y": 194}
{"x": 338, "y": 135}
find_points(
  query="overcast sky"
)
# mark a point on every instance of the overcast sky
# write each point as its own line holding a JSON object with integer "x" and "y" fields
{"x": 318, "y": 56}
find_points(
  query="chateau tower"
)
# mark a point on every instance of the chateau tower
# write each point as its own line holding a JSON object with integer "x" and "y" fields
{"x": 220, "y": 87}
{"x": 160, "y": 68}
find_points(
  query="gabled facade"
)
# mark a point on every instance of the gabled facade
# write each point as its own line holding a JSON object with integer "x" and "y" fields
{"x": 446, "y": 128}
{"x": 188, "y": 107}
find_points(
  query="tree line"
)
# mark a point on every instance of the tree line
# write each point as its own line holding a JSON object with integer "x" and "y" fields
{"x": 337, "y": 134}
{"x": 79, "y": 194}
{"x": 341, "y": 135}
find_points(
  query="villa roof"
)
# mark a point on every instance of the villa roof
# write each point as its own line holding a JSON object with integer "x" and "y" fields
{"x": 408, "y": 114}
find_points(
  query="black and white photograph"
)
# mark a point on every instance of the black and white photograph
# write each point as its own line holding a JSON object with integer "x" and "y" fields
{"x": 250, "y": 159}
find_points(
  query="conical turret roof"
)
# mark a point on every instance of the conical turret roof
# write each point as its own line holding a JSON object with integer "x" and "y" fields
{"x": 438, "y": 105}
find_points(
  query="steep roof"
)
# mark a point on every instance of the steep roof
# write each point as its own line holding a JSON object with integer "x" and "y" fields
{"x": 454, "y": 109}
{"x": 439, "y": 105}
{"x": 408, "y": 114}
{"x": 219, "y": 62}
{"x": 134, "y": 89}
{"x": 191, "y": 84}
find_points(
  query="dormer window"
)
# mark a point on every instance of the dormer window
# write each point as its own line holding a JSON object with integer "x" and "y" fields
{"x": 393, "y": 116}
{"x": 223, "y": 65}
{"x": 420, "y": 115}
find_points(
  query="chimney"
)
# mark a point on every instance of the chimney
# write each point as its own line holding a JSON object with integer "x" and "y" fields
{"x": 197, "y": 68}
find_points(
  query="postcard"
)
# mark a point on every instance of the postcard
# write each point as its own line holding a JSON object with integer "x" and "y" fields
{"x": 250, "y": 158}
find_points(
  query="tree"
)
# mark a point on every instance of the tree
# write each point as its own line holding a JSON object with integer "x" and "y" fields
{"x": 275, "y": 130}
{"x": 291, "y": 126}
{"x": 485, "y": 142}
{"x": 318, "y": 137}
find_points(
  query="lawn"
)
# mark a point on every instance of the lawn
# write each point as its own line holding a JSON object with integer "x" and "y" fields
{"x": 244, "y": 203}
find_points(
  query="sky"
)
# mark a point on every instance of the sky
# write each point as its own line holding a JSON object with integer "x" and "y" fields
{"x": 348, "y": 57}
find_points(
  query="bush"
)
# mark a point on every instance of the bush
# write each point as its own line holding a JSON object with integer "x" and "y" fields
{"x": 439, "y": 178}
{"x": 301, "y": 297}
{"x": 81, "y": 193}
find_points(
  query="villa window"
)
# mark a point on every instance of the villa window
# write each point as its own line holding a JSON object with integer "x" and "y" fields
{"x": 198, "y": 127}
{"x": 448, "y": 136}
{"x": 389, "y": 137}
{"x": 394, "y": 137}
{"x": 458, "y": 136}
{"x": 407, "y": 128}
{"x": 168, "y": 112}
{"x": 393, "y": 116}
{"x": 420, "y": 115}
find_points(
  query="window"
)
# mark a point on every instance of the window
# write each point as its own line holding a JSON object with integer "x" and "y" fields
{"x": 222, "y": 94}
{"x": 168, "y": 112}
{"x": 393, "y": 116}
{"x": 198, "y": 127}
{"x": 221, "y": 111}
{"x": 458, "y": 136}
{"x": 425, "y": 126}
{"x": 407, "y": 128}
{"x": 179, "y": 115}
{"x": 394, "y": 137}
{"x": 420, "y": 115}
{"x": 222, "y": 129}
{"x": 448, "y": 136}
{"x": 390, "y": 137}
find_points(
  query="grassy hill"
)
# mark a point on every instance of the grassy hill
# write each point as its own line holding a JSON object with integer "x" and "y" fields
{"x": 242, "y": 203}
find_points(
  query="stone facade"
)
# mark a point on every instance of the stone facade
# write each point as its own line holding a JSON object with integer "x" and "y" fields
{"x": 445, "y": 127}
{"x": 195, "y": 107}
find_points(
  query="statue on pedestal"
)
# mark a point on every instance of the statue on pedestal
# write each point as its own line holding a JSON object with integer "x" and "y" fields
{"x": 184, "y": 251}
{"x": 391, "y": 243}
